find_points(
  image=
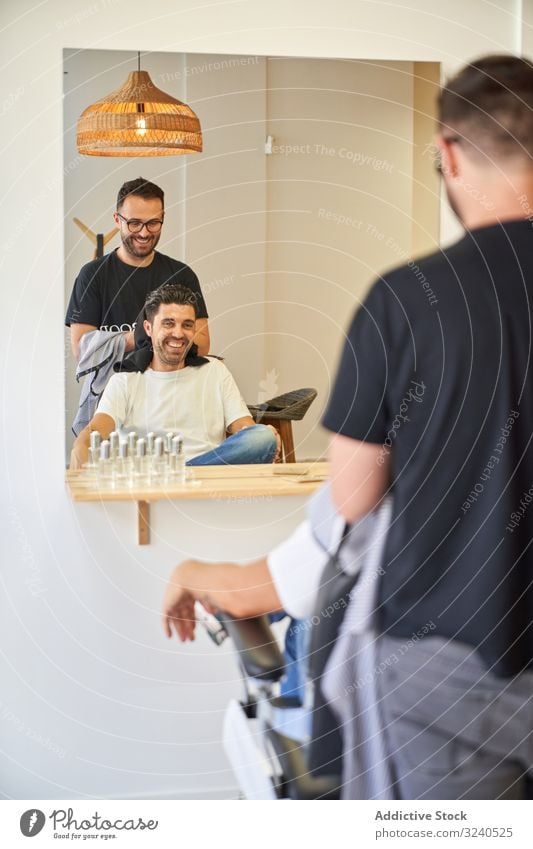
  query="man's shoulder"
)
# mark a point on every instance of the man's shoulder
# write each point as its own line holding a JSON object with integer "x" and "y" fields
{"x": 214, "y": 365}
{"x": 404, "y": 282}
{"x": 217, "y": 363}
{"x": 121, "y": 378}
{"x": 214, "y": 371}
{"x": 168, "y": 262}
{"x": 427, "y": 263}
{"x": 91, "y": 269}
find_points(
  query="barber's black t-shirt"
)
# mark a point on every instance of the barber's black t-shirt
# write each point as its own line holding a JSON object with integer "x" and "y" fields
{"x": 438, "y": 367}
{"x": 110, "y": 295}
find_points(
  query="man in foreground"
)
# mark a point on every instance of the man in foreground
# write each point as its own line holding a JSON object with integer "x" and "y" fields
{"x": 173, "y": 389}
{"x": 454, "y": 665}
{"x": 434, "y": 402}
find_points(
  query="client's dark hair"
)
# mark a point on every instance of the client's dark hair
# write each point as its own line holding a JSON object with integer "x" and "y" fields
{"x": 168, "y": 293}
{"x": 488, "y": 106}
{"x": 140, "y": 188}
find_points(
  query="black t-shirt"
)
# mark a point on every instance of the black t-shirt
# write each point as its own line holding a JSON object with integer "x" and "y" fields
{"x": 437, "y": 365}
{"x": 110, "y": 295}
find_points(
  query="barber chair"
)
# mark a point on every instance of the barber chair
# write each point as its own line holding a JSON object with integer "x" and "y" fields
{"x": 268, "y": 762}
{"x": 281, "y": 412}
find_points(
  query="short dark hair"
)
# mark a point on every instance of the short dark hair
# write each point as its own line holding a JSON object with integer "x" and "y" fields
{"x": 141, "y": 188}
{"x": 489, "y": 107}
{"x": 168, "y": 293}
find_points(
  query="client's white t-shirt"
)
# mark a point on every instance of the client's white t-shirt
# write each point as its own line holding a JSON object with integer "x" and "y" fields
{"x": 198, "y": 401}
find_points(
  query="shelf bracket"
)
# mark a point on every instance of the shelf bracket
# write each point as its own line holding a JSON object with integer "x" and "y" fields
{"x": 143, "y": 522}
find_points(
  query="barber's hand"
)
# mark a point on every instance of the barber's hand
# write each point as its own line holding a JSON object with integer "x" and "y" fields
{"x": 277, "y": 455}
{"x": 76, "y": 462}
{"x": 178, "y": 608}
{"x": 130, "y": 342}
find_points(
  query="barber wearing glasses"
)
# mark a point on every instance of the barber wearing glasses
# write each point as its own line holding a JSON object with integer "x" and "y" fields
{"x": 109, "y": 292}
{"x": 107, "y": 300}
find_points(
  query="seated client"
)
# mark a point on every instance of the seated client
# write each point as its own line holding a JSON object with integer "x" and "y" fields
{"x": 167, "y": 387}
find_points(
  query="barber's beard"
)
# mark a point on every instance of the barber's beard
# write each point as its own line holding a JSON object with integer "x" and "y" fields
{"x": 141, "y": 248}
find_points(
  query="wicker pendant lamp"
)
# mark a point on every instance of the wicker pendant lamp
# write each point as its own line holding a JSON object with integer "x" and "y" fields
{"x": 138, "y": 119}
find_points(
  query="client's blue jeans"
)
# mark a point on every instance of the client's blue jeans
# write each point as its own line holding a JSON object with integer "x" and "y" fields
{"x": 255, "y": 444}
{"x": 296, "y": 653}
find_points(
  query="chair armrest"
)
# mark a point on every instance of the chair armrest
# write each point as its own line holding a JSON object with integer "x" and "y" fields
{"x": 299, "y": 781}
{"x": 256, "y": 645}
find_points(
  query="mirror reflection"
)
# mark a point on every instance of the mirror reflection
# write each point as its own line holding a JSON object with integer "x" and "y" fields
{"x": 316, "y": 175}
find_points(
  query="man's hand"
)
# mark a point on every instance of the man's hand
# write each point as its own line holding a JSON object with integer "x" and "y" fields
{"x": 178, "y": 607}
{"x": 246, "y": 422}
{"x": 76, "y": 332}
{"x": 100, "y": 422}
{"x": 201, "y": 336}
{"x": 79, "y": 330}
{"x": 130, "y": 341}
{"x": 240, "y": 591}
{"x": 76, "y": 462}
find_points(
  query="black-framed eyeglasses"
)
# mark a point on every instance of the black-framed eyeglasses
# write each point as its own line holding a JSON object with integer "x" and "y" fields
{"x": 135, "y": 225}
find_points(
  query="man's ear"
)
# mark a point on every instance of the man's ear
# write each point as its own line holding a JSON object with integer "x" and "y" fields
{"x": 147, "y": 327}
{"x": 447, "y": 156}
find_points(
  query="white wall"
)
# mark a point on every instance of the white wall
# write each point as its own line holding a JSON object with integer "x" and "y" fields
{"x": 77, "y": 596}
{"x": 227, "y": 210}
{"x": 340, "y": 194}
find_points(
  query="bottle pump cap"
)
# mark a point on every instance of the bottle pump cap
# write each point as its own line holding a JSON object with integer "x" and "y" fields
{"x": 95, "y": 440}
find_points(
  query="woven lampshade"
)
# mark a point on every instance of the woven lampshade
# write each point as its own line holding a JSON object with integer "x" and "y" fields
{"x": 138, "y": 119}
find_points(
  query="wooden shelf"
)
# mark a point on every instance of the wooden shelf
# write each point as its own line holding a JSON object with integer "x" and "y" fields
{"x": 209, "y": 482}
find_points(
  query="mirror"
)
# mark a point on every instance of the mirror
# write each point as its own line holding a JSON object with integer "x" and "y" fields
{"x": 316, "y": 175}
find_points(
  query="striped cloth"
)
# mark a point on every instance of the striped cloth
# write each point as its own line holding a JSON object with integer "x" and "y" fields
{"x": 296, "y": 567}
{"x": 349, "y": 682}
